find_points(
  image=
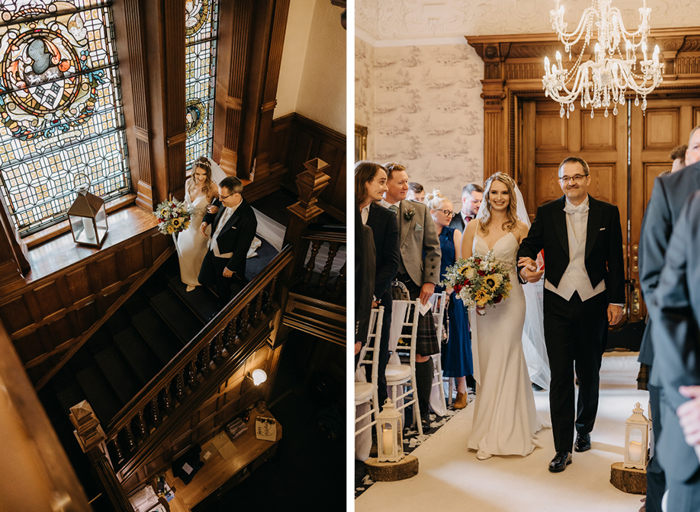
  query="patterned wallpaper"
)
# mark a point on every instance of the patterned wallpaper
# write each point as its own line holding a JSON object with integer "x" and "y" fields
{"x": 427, "y": 113}
{"x": 409, "y": 19}
{"x": 364, "y": 89}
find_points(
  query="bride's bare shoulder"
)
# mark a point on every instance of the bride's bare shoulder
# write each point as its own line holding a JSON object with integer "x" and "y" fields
{"x": 521, "y": 230}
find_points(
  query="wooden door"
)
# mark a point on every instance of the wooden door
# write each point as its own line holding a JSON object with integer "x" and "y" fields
{"x": 665, "y": 125}
{"x": 548, "y": 138}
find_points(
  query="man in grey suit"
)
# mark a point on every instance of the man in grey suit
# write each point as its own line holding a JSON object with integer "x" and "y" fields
{"x": 675, "y": 312}
{"x": 667, "y": 198}
{"x": 419, "y": 270}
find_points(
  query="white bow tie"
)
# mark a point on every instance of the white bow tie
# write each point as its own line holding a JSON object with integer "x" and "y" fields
{"x": 570, "y": 208}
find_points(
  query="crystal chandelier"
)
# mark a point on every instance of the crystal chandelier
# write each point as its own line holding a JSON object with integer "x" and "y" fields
{"x": 603, "y": 81}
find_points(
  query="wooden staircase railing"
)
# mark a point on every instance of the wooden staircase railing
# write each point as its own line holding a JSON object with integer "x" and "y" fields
{"x": 224, "y": 344}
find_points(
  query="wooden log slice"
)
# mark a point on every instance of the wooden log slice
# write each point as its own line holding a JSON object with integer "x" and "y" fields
{"x": 392, "y": 471}
{"x": 632, "y": 481}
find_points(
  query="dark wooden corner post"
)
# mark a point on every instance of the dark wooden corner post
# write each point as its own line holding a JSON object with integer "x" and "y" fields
{"x": 495, "y": 104}
{"x": 152, "y": 69}
{"x": 251, "y": 41}
{"x": 310, "y": 184}
{"x": 13, "y": 254}
{"x": 91, "y": 438}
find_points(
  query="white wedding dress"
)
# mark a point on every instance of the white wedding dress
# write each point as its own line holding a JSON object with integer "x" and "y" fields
{"x": 191, "y": 244}
{"x": 505, "y": 420}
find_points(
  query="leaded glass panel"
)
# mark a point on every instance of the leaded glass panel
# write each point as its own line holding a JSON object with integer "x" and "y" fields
{"x": 201, "y": 31}
{"x": 61, "y": 112}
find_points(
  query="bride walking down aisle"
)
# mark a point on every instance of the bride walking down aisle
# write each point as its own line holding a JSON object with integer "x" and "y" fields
{"x": 505, "y": 418}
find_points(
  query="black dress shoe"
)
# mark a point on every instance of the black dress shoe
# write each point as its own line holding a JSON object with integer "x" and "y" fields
{"x": 583, "y": 442}
{"x": 560, "y": 461}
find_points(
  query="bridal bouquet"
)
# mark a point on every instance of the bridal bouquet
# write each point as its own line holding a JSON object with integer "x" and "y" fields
{"x": 479, "y": 281}
{"x": 173, "y": 217}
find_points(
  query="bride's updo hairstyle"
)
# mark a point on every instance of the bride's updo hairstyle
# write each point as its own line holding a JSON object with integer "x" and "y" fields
{"x": 435, "y": 199}
{"x": 203, "y": 163}
{"x": 511, "y": 212}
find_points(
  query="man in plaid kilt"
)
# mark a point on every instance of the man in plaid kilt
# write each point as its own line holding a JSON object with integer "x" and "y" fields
{"x": 419, "y": 270}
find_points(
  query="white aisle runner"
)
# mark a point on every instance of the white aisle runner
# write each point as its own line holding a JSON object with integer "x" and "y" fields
{"x": 452, "y": 479}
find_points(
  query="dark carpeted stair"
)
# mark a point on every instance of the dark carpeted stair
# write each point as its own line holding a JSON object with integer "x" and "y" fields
{"x": 177, "y": 315}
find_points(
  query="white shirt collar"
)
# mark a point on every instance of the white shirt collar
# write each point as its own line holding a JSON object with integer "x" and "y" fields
{"x": 585, "y": 201}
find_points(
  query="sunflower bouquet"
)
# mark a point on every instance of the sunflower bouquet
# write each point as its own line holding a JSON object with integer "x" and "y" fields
{"x": 480, "y": 281}
{"x": 173, "y": 217}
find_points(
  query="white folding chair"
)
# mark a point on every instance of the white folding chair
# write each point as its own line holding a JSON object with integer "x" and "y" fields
{"x": 366, "y": 392}
{"x": 405, "y": 374}
{"x": 437, "y": 396}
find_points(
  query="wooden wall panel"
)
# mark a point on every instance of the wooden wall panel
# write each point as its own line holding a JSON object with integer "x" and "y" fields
{"x": 651, "y": 171}
{"x": 597, "y": 133}
{"x": 661, "y": 129}
{"x": 50, "y": 318}
{"x": 602, "y": 182}
{"x": 306, "y": 139}
{"x": 551, "y": 132}
{"x": 546, "y": 185}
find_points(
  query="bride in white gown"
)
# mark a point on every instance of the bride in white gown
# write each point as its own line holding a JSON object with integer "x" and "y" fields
{"x": 191, "y": 245}
{"x": 505, "y": 420}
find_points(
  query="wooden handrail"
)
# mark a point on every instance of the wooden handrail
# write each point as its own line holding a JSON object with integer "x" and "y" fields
{"x": 190, "y": 351}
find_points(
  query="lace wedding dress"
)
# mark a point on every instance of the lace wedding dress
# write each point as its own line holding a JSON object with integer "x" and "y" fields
{"x": 191, "y": 244}
{"x": 505, "y": 420}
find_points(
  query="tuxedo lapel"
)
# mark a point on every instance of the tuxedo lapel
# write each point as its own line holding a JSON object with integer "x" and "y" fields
{"x": 559, "y": 220}
{"x": 595, "y": 218}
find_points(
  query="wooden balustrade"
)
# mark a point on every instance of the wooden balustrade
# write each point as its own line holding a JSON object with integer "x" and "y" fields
{"x": 232, "y": 336}
{"x": 319, "y": 284}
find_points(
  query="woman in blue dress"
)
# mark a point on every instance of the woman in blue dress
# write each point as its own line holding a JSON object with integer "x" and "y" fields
{"x": 458, "y": 355}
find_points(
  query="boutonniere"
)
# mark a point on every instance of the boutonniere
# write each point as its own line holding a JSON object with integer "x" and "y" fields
{"x": 409, "y": 214}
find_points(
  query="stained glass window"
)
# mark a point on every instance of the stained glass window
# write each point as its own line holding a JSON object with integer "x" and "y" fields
{"x": 61, "y": 110}
{"x": 201, "y": 31}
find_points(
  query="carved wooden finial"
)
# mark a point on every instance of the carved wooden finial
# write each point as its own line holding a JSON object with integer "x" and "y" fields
{"x": 88, "y": 430}
{"x": 310, "y": 184}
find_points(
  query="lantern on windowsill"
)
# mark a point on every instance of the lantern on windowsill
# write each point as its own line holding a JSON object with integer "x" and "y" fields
{"x": 88, "y": 217}
{"x": 389, "y": 434}
{"x": 636, "y": 440}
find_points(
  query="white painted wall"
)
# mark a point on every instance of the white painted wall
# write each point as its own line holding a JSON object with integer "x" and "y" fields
{"x": 323, "y": 83}
{"x": 312, "y": 75}
{"x": 296, "y": 42}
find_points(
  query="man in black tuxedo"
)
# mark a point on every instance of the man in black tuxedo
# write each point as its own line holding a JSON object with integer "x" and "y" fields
{"x": 667, "y": 198}
{"x": 471, "y": 201}
{"x": 584, "y": 290}
{"x": 233, "y": 229}
{"x": 675, "y": 313}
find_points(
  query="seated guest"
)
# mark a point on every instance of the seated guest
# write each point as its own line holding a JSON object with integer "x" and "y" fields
{"x": 458, "y": 355}
{"x": 471, "y": 201}
{"x": 233, "y": 229}
{"x": 370, "y": 184}
{"x": 416, "y": 192}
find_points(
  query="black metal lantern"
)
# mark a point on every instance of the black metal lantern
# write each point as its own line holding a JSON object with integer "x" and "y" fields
{"x": 88, "y": 217}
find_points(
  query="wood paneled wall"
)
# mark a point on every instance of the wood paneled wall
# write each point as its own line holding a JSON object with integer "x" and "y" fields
{"x": 49, "y": 319}
{"x": 298, "y": 139}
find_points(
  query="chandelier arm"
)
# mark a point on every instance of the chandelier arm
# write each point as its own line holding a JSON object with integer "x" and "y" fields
{"x": 564, "y": 36}
{"x": 641, "y": 30}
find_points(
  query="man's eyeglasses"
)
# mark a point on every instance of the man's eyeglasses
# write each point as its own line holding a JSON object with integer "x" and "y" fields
{"x": 576, "y": 178}
{"x": 222, "y": 197}
{"x": 449, "y": 213}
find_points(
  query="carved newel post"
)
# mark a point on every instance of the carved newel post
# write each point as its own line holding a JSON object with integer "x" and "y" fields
{"x": 310, "y": 184}
{"x": 91, "y": 437}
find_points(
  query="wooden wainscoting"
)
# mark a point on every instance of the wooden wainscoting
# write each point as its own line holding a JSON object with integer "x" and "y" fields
{"x": 298, "y": 139}
{"x": 50, "y": 318}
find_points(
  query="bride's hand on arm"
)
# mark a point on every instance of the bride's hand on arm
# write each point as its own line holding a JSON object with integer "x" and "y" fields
{"x": 528, "y": 270}
{"x": 468, "y": 239}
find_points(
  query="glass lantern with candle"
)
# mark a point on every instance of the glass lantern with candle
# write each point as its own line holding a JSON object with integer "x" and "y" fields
{"x": 389, "y": 434}
{"x": 636, "y": 439}
{"x": 88, "y": 217}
